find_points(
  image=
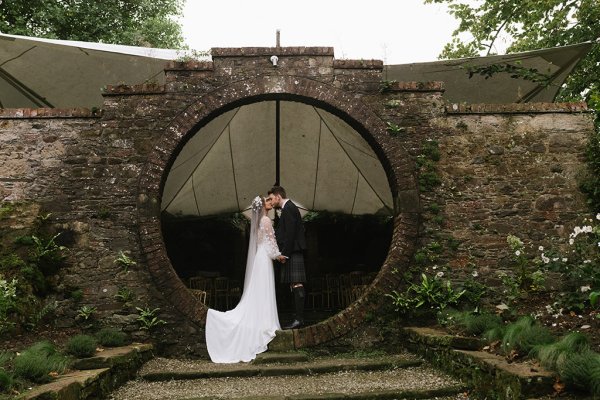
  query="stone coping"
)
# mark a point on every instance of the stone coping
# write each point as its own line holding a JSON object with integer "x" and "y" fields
{"x": 358, "y": 64}
{"x": 432, "y": 86}
{"x": 270, "y": 51}
{"x": 488, "y": 374}
{"x": 192, "y": 65}
{"x": 513, "y": 108}
{"x": 26, "y": 113}
{"x": 145, "y": 88}
{"x": 96, "y": 376}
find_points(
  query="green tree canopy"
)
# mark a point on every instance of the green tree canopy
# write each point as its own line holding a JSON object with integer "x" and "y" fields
{"x": 536, "y": 24}
{"x": 149, "y": 23}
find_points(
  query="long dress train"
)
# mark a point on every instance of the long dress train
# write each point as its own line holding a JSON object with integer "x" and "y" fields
{"x": 245, "y": 331}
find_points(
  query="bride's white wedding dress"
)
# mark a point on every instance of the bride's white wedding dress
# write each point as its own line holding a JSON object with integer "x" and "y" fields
{"x": 242, "y": 333}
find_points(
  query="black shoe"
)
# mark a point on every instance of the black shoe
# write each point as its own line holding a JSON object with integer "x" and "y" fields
{"x": 294, "y": 325}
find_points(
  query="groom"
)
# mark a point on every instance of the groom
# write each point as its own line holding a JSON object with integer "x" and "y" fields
{"x": 289, "y": 233}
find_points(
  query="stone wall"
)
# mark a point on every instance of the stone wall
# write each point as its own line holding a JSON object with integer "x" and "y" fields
{"x": 503, "y": 169}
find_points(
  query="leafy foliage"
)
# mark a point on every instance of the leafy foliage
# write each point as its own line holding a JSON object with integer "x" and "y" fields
{"x": 430, "y": 293}
{"x": 147, "y": 23}
{"x": 148, "y": 319}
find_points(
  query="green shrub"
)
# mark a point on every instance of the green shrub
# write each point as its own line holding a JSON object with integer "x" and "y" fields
{"x": 82, "y": 346}
{"x": 110, "y": 337}
{"x": 38, "y": 361}
{"x": 6, "y": 380}
{"x": 525, "y": 334}
{"x": 551, "y": 356}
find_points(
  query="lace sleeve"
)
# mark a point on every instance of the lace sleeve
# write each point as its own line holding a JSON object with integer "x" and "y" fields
{"x": 267, "y": 233}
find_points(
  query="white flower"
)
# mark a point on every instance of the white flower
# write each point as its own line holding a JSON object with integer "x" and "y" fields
{"x": 545, "y": 259}
{"x": 474, "y": 274}
{"x": 598, "y": 216}
{"x": 585, "y": 288}
{"x": 439, "y": 274}
{"x": 565, "y": 259}
{"x": 518, "y": 252}
{"x": 587, "y": 261}
{"x": 541, "y": 248}
{"x": 571, "y": 241}
{"x": 502, "y": 306}
{"x": 555, "y": 259}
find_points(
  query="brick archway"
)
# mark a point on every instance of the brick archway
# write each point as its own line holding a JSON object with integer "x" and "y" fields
{"x": 345, "y": 105}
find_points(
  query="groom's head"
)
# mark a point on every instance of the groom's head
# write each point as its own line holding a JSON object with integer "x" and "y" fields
{"x": 277, "y": 195}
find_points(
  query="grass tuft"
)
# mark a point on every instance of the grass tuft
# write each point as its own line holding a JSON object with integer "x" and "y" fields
{"x": 82, "y": 346}
{"x": 477, "y": 324}
{"x": 6, "y": 380}
{"x": 524, "y": 335}
{"x": 582, "y": 371}
{"x": 38, "y": 361}
{"x": 111, "y": 337}
{"x": 552, "y": 355}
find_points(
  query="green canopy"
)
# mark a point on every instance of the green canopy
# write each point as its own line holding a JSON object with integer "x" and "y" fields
{"x": 556, "y": 63}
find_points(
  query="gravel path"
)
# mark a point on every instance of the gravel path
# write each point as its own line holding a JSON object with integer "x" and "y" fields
{"x": 175, "y": 365}
{"x": 340, "y": 382}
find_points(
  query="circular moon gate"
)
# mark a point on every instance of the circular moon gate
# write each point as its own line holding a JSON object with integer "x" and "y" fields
{"x": 340, "y": 103}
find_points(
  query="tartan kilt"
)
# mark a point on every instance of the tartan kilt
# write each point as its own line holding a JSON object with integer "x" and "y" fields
{"x": 293, "y": 269}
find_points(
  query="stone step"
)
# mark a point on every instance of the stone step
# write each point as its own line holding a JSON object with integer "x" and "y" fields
{"x": 417, "y": 382}
{"x": 270, "y": 357}
{"x": 165, "y": 370}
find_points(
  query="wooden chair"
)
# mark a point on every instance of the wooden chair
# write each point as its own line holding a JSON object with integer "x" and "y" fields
{"x": 199, "y": 294}
{"x": 235, "y": 291}
{"x": 331, "y": 290}
{"x": 316, "y": 288}
{"x": 204, "y": 284}
{"x": 345, "y": 290}
{"x": 357, "y": 284}
{"x": 221, "y": 292}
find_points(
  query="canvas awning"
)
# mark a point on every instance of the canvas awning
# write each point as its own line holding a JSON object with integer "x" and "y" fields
{"x": 38, "y": 72}
{"x": 557, "y": 63}
{"x": 324, "y": 163}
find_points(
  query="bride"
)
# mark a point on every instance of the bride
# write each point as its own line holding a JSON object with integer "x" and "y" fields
{"x": 242, "y": 333}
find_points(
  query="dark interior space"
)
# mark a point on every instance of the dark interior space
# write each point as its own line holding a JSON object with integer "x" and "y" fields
{"x": 344, "y": 254}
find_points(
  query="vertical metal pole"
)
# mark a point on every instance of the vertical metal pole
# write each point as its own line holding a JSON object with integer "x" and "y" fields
{"x": 277, "y": 142}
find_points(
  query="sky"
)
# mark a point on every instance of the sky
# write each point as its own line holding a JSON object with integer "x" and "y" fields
{"x": 395, "y": 31}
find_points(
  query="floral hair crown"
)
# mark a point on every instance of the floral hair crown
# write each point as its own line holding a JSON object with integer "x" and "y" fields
{"x": 257, "y": 204}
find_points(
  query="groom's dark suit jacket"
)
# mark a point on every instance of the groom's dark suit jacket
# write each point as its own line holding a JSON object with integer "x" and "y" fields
{"x": 289, "y": 231}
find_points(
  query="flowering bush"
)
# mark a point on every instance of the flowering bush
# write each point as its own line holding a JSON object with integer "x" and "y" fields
{"x": 579, "y": 267}
{"x": 8, "y": 294}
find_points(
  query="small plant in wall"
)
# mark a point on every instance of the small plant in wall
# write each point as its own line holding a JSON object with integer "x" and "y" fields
{"x": 386, "y": 86}
{"x": 85, "y": 313}
{"x": 393, "y": 129}
{"x": 125, "y": 295}
{"x": 394, "y": 103}
{"x": 148, "y": 319}
{"x": 124, "y": 261}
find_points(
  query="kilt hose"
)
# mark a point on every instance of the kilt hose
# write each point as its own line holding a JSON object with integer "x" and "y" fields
{"x": 293, "y": 270}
